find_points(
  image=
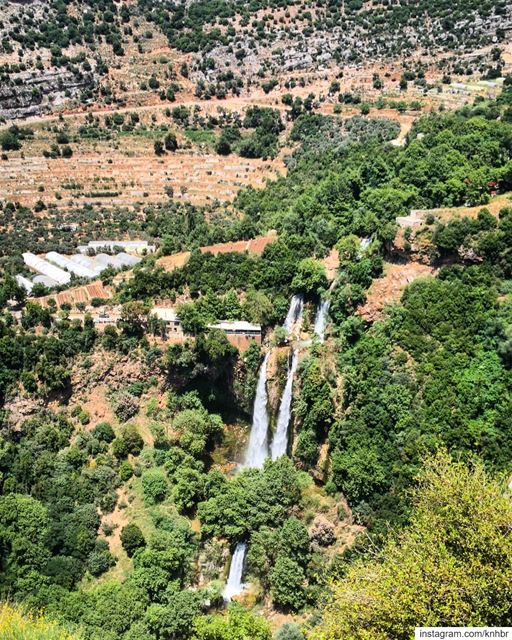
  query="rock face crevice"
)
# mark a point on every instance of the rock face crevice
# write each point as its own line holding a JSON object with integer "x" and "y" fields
{"x": 31, "y": 94}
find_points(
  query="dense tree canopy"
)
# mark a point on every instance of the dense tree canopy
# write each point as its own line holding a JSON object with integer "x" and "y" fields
{"x": 455, "y": 553}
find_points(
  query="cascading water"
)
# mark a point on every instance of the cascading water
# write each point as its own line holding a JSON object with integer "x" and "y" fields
{"x": 321, "y": 319}
{"x": 365, "y": 242}
{"x": 294, "y": 314}
{"x": 234, "y": 585}
{"x": 280, "y": 440}
{"x": 257, "y": 450}
{"x": 257, "y": 453}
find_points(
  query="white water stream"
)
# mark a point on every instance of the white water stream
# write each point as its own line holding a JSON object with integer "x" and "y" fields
{"x": 280, "y": 440}
{"x": 234, "y": 585}
{"x": 294, "y": 314}
{"x": 256, "y": 454}
{"x": 321, "y": 319}
{"x": 257, "y": 449}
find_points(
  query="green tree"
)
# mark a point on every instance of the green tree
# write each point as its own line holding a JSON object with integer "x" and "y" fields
{"x": 188, "y": 488}
{"x": 310, "y": 278}
{"x": 440, "y": 570}
{"x": 287, "y": 581}
{"x": 134, "y": 318}
{"x": 238, "y": 624}
{"x": 103, "y": 431}
{"x": 170, "y": 141}
{"x": 191, "y": 318}
{"x": 293, "y": 541}
{"x": 132, "y": 539}
{"x": 259, "y": 307}
{"x": 24, "y": 527}
{"x": 173, "y": 620}
{"x": 132, "y": 439}
{"x": 154, "y": 485}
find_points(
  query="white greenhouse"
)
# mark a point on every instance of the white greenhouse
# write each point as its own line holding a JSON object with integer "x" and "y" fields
{"x": 46, "y": 281}
{"x": 25, "y": 283}
{"x": 126, "y": 260}
{"x": 133, "y": 246}
{"x": 89, "y": 263}
{"x": 45, "y": 268}
{"x": 73, "y": 267}
{"x": 108, "y": 261}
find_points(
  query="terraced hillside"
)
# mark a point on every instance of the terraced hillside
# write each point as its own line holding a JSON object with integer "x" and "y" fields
{"x": 140, "y": 52}
{"x": 255, "y": 318}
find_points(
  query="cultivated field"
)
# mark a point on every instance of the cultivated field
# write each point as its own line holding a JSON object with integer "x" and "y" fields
{"x": 97, "y": 179}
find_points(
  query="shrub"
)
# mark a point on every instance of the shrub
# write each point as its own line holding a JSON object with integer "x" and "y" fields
{"x": 171, "y": 142}
{"x": 103, "y": 431}
{"x": 99, "y": 562}
{"x": 84, "y": 417}
{"x": 154, "y": 485}
{"x": 9, "y": 141}
{"x": 132, "y": 539}
{"x": 125, "y": 406}
{"x": 125, "y": 471}
{"x": 290, "y": 631}
{"x": 15, "y": 623}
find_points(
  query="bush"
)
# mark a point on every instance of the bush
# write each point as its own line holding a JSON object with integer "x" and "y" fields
{"x": 132, "y": 539}
{"x": 290, "y": 631}
{"x": 84, "y": 417}
{"x": 171, "y": 142}
{"x": 16, "y": 623}
{"x": 9, "y": 141}
{"x": 154, "y": 485}
{"x": 287, "y": 584}
{"x": 125, "y": 406}
{"x": 103, "y": 432}
{"x": 99, "y": 562}
{"x": 125, "y": 471}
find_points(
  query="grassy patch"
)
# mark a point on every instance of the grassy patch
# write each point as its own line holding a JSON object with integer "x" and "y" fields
{"x": 200, "y": 136}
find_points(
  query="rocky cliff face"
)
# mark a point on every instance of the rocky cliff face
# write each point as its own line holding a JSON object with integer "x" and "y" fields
{"x": 32, "y": 93}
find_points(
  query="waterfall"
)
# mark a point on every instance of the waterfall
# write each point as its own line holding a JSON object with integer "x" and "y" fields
{"x": 280, "y": 440}
{"x": 257, "y": 450}
{"x": 365, "y": 242}
{"x": 294, "y": 314}
{"x": 321, "y": 319}
{"x": 257, "y": 453}
{"x": 234, "y": 585}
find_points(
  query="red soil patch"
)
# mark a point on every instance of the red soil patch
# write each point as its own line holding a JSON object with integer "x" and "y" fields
{"x": 331, "y": 263}
{"x": 255, "y": 246}
{"x": 84, "y": 293}
{"x": 389, "y": 288}
{"x": 173, "y": 262}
